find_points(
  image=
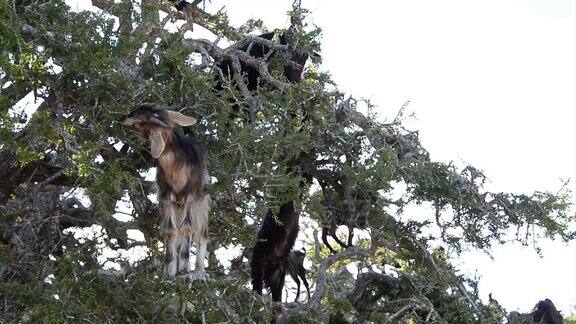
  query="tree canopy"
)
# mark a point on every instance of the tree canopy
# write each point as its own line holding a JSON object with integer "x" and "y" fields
{"x": 69, "y": 166}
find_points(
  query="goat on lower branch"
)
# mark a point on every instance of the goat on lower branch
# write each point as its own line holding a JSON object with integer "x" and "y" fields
{"x": 271, "y": 252}
{"x": 181, "y": 178}
{"x": 296, "y": 270}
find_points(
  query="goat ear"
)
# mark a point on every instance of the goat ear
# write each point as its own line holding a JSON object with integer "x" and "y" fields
{"x": 180, "y": 119}
{"x": 157, "y": 144}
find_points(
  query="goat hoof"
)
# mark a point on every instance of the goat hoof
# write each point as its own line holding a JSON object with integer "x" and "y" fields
{"x": 197, "y": 275}
{"x": 183, "y": 273}
{"x": 169, "y": 280}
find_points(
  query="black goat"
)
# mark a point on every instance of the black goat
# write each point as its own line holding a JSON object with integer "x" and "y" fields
{"x": 545, "y": 312}
{"x": 181, "y": 179}
{"x": 271, "y": 257}
{"x": 181, "y": 5}
{"x": 352, "y": 212}
{"x": 270, "y": 253}
{"x": 336, "y": 216}
{"x": 296, "y": 269}
{"x": 185, "y": 7}
{"x": 292, "y": 69}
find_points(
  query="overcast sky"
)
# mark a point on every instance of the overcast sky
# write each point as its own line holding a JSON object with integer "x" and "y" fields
{"x": 492, "y": 83}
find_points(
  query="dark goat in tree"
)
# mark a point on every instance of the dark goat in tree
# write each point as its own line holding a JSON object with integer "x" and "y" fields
{"x": 185, "y": 7}
{"x": 181, "y": 5}
{"x": 271, "y": 258}
{"x": 271, "y": 254}
{"x": 296, "y": 270}
{"x": 343, "y": 208}
{"x": 181, "y": 178}
{"x": 292, "y": 69}
{"x": 250, "y": 78}
{"x": 335, "y": 217}
{"x": 545, "y": 312}
{"x": 271, "y": 251}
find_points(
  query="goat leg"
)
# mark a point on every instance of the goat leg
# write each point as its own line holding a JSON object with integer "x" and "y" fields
{"x": 201, "y": 243}
{"x": 199, "y": 218}
{"x": 302, "y": 275}
{"x": 171, "y": 239}
{"x": 350, "y": 235}
{"x": 184, "y": 253}
{"x": 185, "y": 230}
{"x": 257, "y": 267}
{"x": 276, "y": 283}
{"x": 335, "y": 237}
{"x": 325, "y": 239}
{"x": 171, "y": 258}
{"x": 297, "y": 281}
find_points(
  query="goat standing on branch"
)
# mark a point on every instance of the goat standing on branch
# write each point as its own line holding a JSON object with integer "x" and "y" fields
{"x": 181, "y": 179}
{"x": 249, "y": 77}
{"x": 545, "y": 312}
{"x": 292, "y": 69}
{"x": 296, "y": 269}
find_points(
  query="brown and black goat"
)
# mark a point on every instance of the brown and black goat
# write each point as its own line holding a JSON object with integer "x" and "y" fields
{"x": 181, "y": 179}
{"x": 296, "y": 270}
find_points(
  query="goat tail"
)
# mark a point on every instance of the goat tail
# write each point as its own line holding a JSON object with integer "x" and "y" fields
{"x": 257, "y": 267}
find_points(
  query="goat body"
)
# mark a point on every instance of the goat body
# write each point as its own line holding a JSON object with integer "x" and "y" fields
{"x": 545, "y": 312}
{"x": 339, "y": 212}
{"x": 296, "y": 270}
{"x": 292, "y": 70}
{"x": 181, "y": 179}
{"x": 270, "y": 254}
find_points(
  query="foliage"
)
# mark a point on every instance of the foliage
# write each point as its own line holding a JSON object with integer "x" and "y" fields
{"x": 64, "y": 169}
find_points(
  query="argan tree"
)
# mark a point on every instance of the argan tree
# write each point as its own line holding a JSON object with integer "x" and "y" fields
{"x": 69, "y": 252}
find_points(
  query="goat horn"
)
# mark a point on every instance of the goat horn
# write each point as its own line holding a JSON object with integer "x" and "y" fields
{"x": 158, "y": 122}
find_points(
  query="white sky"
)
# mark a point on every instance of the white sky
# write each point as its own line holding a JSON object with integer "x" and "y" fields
{"x": 492, "y": 83}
